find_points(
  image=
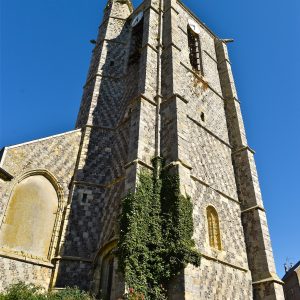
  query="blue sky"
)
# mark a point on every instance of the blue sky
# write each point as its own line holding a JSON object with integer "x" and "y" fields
{"x": 45, "y": 53}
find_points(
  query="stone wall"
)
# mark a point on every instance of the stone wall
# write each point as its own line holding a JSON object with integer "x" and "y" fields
{"x": 54, "y": 158}
{"x": 13, "y": 270}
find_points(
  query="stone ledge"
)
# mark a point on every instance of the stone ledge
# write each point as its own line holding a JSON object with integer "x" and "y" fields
{"x": 173, "y": 8}
{"x": 174, "y": 97}
{"x": 172, "y": 44}
{"x": 142, "y": 97}
{"x": 244, "y": 148}
{"x": 224, "y": 263}
{"x": 256, "y": 207}
{"x": 25, "y": 259}
{"x": 233, "y": 99}
{"x": 72, "y": 258}
{"x": 206, "y": 52}
{"x": 210, "y": 132}
{"x": 217, "y": 191}
{"x": 140, "y": 162}
{"x": 201, "y": 77}
{"x": 93, "y": 77}
{"x": 225, "y": 60}
{"x": 101, "y": 42}
{"x": 103, "y": 186}
{"x": 150, "y": 7}
{"x": 100, "y": 127}
{"x": 176, "y": 163}
{"x": 148, "y": 45}
{"x": 273, "y": 278}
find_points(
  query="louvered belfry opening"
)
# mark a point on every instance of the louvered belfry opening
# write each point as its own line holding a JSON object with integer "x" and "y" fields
{"x": 136, "y": 42}
{"x": 195, "y": 51}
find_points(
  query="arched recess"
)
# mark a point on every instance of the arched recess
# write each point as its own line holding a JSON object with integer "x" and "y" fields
{"x": 105, "y": 267}
{"x": 32, "y": 216}
{"x": 214, "y": 233}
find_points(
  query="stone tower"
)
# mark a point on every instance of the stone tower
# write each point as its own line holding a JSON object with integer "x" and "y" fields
{"x": 159, "y": 84}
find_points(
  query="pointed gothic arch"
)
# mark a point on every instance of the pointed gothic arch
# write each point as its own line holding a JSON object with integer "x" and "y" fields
{"x": 105, "y": 266}
{"x": 32, "y": 216}
{"x": 214, "y": 232}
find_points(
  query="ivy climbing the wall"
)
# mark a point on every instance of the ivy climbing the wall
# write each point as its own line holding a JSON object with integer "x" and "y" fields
{"x": 156, "y": 229}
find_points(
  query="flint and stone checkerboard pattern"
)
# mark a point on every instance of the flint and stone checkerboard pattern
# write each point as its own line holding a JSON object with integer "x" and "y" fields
{"x": 57, "y": 156}
{"x": 130, "y": 113}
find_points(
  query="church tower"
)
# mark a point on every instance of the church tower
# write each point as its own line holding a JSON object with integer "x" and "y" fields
{"x": 159, "y": 85}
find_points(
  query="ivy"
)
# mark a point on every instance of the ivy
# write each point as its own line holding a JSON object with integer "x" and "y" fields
{"x": 156, "y": 228}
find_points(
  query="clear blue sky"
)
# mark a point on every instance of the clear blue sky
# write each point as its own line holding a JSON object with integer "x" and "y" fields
{"x": 45, "y": 54}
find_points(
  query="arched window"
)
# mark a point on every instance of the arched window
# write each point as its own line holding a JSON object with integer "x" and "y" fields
{"x": 214, "y": 228}
{"x": 30, "y": 218}
{"x": 195, "y": 51}
{"x": 107, "y": 276}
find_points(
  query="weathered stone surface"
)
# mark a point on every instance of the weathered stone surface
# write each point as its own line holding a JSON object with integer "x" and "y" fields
{"x": 138, "y": 104}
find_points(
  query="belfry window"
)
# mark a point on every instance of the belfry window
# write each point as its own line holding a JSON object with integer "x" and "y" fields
{"x": 136, "y": 39}
{"x": 213, "y": 228}
{"x": 195, "y": 50}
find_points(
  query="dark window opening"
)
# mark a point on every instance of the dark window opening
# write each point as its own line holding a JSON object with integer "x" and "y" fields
{"x": 136, "y": 43}
{"x": 110, "y": 277}
{"x": 107, "y": 276}
{"x": 112, "y": 63}
{"x": 203, "y": 117}
{"x": 84, "y": 198}
{"x": 195, "y": 51}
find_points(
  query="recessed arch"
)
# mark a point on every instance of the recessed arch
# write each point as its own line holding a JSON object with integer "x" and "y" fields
{"x": 214, "y": 232}
{"x": 31, "y": 215}
{"x": 105, "y": 266}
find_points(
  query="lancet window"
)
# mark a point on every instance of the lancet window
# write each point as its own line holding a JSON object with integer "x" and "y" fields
{"x": 214, "y": 228}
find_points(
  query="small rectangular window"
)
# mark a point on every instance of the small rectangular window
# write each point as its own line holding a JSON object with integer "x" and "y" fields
{"x": 84, "y": 198}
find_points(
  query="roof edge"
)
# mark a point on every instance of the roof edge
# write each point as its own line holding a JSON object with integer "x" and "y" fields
{"x": 42, "y": 139}
{"x": 290, "y": 271}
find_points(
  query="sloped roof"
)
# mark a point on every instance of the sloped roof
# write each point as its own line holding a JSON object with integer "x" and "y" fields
{"x": 291, "y": 271}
